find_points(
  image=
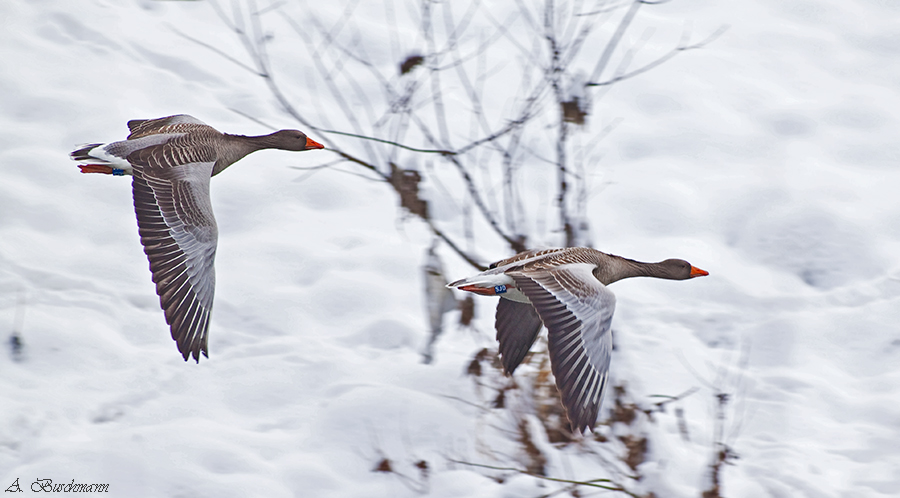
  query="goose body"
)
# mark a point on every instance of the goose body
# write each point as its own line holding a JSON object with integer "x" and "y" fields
{"x": 565, "y": 290}
{"x": 172, "y": 160}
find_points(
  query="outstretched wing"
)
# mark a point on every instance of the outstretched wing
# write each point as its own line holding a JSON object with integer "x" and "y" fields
{"x": 577, "y": 311}
{"x": 179, "y": 235}
{"x": 517, "y": 327}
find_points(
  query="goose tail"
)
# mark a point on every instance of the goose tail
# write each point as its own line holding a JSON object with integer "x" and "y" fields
{"x": 484, "y": 284}
{"x": 93, "y": 155}
{"x": 83, "y": 154}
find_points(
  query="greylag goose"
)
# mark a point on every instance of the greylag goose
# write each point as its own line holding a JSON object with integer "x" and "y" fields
{"x": 565, "y": 290}
{"x": 172, "y": 160}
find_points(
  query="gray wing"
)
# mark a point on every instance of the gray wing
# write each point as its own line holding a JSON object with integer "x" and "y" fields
{"x": 577, "y": 311}
{"x": 179, "y": 235}
{"x": 517, "y": 327}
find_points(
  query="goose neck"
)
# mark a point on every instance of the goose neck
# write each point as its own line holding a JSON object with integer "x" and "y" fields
{"x": 618, "y": 268}
{"x": 236, "y": 147}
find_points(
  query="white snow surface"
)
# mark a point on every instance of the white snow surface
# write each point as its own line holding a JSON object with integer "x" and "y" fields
{"x": 769, "y": 158}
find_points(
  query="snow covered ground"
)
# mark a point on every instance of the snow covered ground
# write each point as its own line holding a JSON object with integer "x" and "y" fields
{"x": 768, "y": 158}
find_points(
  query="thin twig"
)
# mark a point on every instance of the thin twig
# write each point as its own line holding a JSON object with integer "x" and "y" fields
{"x": 216, "y": 50}
{"x": 615, "y": 39}
{"x": 675, "y": 51}
{"x": 594, "y": 483}
{"x": 467, "y": 402}
{"x": 456, "y": 249}
{"x": 390, "y": 142}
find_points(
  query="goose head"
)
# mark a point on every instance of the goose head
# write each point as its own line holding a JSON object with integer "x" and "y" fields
{"x": 292, "y": 140}
{"x": 677, "y": 269}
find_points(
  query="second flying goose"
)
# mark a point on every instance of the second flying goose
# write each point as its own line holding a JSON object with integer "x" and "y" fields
{"x": 565, "y": 290}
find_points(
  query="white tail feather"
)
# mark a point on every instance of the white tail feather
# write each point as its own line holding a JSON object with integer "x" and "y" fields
{"x": 482, "y": 280}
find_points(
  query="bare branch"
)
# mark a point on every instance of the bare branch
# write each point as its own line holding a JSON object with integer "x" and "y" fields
{"x": 390, "y": 142}
{"x": 616, "y": 38}
{"x": 675, "y": 51}
{"x": 517, "y": 243}
{"x": 436, "y": 94}
{"x": 593, "y": 483}
{"x": 216, "y": 50}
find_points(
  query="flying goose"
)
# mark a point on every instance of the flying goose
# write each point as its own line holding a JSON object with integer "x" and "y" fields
{"x": 172, "y": 160}
{"x": 565, "y": 290}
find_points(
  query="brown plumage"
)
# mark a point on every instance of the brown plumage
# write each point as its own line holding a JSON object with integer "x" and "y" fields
{"x": 565, "y": 290}
{"x": 172, "y": 160}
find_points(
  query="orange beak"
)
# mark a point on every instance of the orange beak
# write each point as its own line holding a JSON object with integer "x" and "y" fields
{"x": 312, "y": 144}
{"x": 697, "y": 272}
